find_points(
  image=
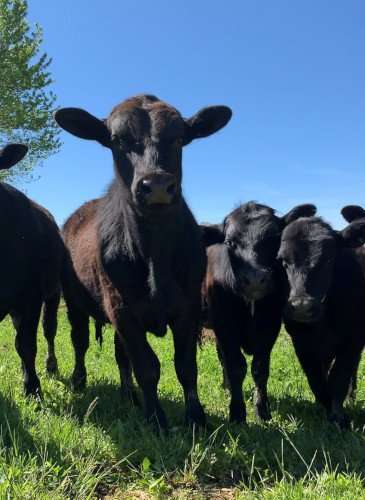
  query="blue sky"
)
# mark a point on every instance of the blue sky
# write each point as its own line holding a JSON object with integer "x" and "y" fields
{"x": 293, "y": 73}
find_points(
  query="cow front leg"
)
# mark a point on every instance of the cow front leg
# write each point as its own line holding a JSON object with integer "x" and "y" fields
{"x": 225, "y": 380}
{"x": 146, "y": 368}
{"x": 236, "y": 369}
{"x": 185, "y": 334}
{"x": 339, "y": 382}
{"x": 260, "y": 370}
{"x": 125, "y": 370}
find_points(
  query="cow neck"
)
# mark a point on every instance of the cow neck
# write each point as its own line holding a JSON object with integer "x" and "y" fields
{"x": 125, "y": 233}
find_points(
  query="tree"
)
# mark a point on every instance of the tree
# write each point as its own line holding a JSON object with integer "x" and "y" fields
{"x": 26, "y": 103}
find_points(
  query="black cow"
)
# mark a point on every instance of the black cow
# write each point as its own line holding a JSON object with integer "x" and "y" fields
{"x": 31, "y": 256}
{"x": 244, "y": 294}
{"x": 324, "y": 312}
{"x": 136, "y": 256}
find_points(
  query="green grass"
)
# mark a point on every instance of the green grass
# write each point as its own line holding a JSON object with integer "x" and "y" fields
{"x": 92, "y": 445}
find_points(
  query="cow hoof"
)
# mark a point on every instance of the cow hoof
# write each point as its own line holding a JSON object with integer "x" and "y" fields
{"x": 237, "y": 414}
{"x": 78, "y": 381}
{"x": 237, "y": 419}
{"x": 158, "y": 421}
{"x": 34, "y": 392}
{"x": 341, "y": 420}
{"x": 195, "y": 415}
{"x": 129, "y": 394}
{"x": 51, "y": 366}
{"x": 262, "y": 412}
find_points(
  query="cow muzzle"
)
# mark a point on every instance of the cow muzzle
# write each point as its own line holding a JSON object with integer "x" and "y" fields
{"x": 303, "y": 309}
{"x": 158, "y": 190}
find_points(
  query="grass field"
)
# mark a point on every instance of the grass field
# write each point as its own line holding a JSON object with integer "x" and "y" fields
{"x": 92, "y": 445}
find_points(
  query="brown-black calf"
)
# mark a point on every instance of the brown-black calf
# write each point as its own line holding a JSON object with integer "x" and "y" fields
{"x": 136, "y": 257}
{"x": 324, "y": 313}
{"x": 31, "y": 255}
{"x": 244, "y": 292}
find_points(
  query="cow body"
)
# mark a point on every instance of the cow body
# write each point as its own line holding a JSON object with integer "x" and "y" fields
{"x": 324, "y": 314}
{"x": 136, "y": 258}
{"x": 31, "y": 256}
{"x": 244, "y": 292}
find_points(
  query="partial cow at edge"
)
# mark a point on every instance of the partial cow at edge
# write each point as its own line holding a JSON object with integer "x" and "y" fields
{"x": 136, "y": 258}
{"x": 324, "y": 312}
{"x": 31, "y": 257}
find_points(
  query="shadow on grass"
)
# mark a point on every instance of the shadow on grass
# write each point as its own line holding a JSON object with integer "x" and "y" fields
{"x": 12, "y": 427}
{"x": 298, "y": 443}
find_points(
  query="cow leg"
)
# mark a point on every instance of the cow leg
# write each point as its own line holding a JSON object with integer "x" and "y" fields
{"x": 185, "y": 334}
{"x": 146, "y": 368}
{"x": 260, "y": 369}
{"x": 236, "y": 368}
{"x": 225, "y": 381}
{"x": 26, "y": 324}
{"x": 316, "y": 377}
{"x": 80, "y": 341}
{"x": 49, "y": 330}
{"x": 125, "y": 371}
{"x": 339, "y": 381}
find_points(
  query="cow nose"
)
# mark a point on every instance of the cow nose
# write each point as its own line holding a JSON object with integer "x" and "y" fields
{"x": 256, "y": 278}
{"x": 303, "y": 309}
{"x": 302, "y": 304}
{"x": 256, "y": 283}
{"x": 158, "y": 188}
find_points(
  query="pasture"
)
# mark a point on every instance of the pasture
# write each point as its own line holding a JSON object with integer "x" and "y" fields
{"x": 92, "y": 445}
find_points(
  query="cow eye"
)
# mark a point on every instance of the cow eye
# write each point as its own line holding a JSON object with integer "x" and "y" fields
{"x": 230, "y": 244}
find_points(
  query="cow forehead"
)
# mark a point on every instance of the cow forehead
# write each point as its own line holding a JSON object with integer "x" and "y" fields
{"x": 253, "y": 226}
{"x": 143, "y": 117}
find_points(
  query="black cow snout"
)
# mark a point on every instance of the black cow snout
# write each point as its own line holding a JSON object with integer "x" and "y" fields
{"x": 158, "y": 189}
{"x": 303, "y": 309}
{"x": 256, "y": 283}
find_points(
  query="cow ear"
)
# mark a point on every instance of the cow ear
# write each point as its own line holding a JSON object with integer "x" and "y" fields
{"x": 11, "y": 154}
{"x": 212, "y": 234}
{"x": 352, "y": 212}
{"x": 82, "y": 124}
{"x": 206, "y": 122}
{"x": 306, "y": 210}
{"x": 353, "y": 235}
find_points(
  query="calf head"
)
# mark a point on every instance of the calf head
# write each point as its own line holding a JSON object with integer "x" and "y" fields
{"x": 250, "y": 238}
{"x": 308, "y": 250}
{"x": 12, "y": 154}
{"x": 146, "y": 137}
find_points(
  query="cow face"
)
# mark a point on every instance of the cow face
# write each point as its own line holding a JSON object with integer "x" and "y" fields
{"x": 307, "y": 253}
{"x": 146, "y": 137}
{"x": 308, "y": 249}
{"x": 12, "y": 154}
{"x": 250, "y": 238}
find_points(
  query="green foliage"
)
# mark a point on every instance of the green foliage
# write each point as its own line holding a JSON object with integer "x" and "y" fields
{"x": 94, "y": 445}
{"x": 26, "y": 103}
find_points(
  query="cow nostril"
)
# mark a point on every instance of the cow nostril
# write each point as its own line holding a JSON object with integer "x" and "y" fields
{"x": 171, "y": 188}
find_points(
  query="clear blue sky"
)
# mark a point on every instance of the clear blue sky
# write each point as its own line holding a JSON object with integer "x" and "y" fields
{"x": 293, "y": 73}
